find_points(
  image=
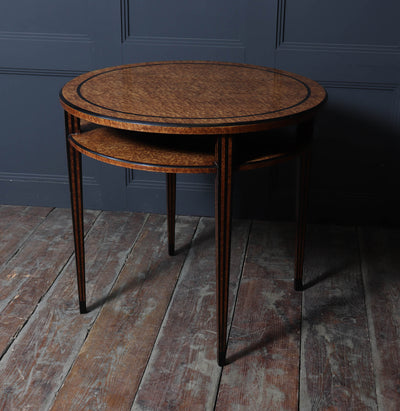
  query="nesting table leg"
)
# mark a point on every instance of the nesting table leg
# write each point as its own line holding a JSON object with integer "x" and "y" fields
{"x": 75, "y": 181}
{"x": 223, "y": 217}
{"x": 304, "y": 132}
{"x": 171, "y": 211}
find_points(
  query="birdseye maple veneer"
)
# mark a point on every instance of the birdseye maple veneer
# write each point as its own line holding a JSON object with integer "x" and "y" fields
{"x": 190, "y": 117}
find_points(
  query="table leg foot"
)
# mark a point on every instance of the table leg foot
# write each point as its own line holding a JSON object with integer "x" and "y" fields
{"x": 221, "y": 359}
{"x": 171, "y": 211}
{"x": 223, "y": 216}
{"x": 298, "y": 285}
{"x": 82, "y": 307}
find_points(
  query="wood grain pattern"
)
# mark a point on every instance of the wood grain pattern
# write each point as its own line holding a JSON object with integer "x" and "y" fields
{"x": 263, "y": 350}
{"x": 182, "y": 372}
{"x": 336, "y": 370}
{"x": 16, "y": 225}
{"x": 32, "y": 371}
{"x": 186, "y": 98}
{"x": 176, "y": 154}
{"x": 120, "y": 343}
{"x": 190, "y": 97}
{"x": 147, "y": 151}
{"x": 54, "y": 348}
{"x": 381, "y": 268}
{"x": 32, "y": 271}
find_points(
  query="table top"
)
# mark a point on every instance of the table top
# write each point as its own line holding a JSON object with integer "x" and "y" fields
{"x": 192, "y": 97}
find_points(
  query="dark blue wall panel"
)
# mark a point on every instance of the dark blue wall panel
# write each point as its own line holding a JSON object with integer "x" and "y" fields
{"x": 352, "y": 48}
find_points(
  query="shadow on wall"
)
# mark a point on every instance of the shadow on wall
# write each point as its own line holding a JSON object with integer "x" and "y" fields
{"x": 355, "y": 176}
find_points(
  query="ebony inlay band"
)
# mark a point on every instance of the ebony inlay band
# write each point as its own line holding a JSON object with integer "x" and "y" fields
{"x": 191, "y": 97}
{"x": 191, "y": 117}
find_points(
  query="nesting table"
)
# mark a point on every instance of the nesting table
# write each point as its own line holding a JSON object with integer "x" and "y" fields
{"x": 190, "y": 117}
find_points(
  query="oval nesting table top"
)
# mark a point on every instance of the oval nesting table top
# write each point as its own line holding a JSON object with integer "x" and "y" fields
{"x": 191, "y": 97}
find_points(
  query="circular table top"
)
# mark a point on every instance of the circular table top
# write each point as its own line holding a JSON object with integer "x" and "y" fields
{"x": 191, "y": 97}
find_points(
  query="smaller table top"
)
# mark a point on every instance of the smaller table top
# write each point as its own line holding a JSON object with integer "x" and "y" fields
{"x": 191, "y": 97}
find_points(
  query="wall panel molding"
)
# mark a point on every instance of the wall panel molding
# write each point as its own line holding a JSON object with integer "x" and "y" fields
{"x": 126, "y": 36}
{"x": 334, "y": 48}
{"x": 176, "y": 46}
{"x": 384, "y": 87}
{"x": 46, "y": 51}
{"x": 40, "y": 72}
{"x": 125, "y": 26}
{"x": 26, "y": 36}
{"x": 42, "y": 178}
{"x": 129, "y": 176}
{"x": 173, "y": 48}
{"x": 181, "y": 41}
{"x": 283, "y": 44}
{"x": 360, "y": 85}
{"x": 49, "y": 190}
{"x": 161, "y": 185}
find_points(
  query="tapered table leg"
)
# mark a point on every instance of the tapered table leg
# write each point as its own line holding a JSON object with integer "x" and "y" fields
{"x": 223, "y": 217}
{"x": 305, "y": 133}
{"x": 171, "y": 211}
{"x": 75, "y": 181}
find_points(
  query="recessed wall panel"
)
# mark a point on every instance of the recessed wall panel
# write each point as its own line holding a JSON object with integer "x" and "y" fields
{"x": 206, "y": 19}
{"x": 362, "y": 22}
{"x": 44, "y": 16}
{"x": 340, "y": 22}
{"x": 176, "y": 30}
{"x": 45, "y": 35}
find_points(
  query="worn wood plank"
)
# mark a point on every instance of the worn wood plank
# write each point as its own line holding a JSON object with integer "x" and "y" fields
{"x": 182, "y": 372}
{"x": 110, "y": 365}
{"x": 265, "y": 337}
{"x": 33, "y": 369}
{"x": 336, "y": 363}
{"x": 16, "y": 225}
{"x": 29, "y": 274}
{"x": 381, "y": 267}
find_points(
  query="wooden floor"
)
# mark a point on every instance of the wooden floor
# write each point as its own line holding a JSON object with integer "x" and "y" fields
{"x": 148, "y": 342}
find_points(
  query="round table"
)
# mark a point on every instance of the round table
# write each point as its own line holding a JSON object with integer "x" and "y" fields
{"x": 190, "y": 117}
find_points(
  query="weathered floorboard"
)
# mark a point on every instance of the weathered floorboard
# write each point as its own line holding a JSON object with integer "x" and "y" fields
{"x": 182, "y": 372}
{"x": 30, "y": 273}
{"x": 336, "y": 363}
{"x": 350, "y": 350}
{"x": 265, "y": 336}
{"x": 16, "y": 225}
{"x": 33, "y": 369}
{"x": 108, "y": 369}
{"x": 381, "y": 268}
